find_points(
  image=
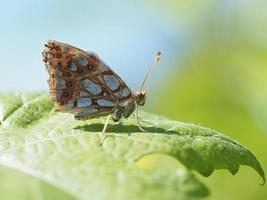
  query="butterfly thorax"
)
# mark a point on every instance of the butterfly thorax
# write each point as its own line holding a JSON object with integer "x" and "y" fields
{"x": 138, "y": 99}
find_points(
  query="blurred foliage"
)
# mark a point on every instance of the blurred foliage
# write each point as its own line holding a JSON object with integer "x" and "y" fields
{"x": 16, "y": 185}
{"x": 221, "y": 82}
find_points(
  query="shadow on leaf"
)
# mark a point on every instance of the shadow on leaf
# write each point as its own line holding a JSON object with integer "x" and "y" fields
{"x": 122, "y": 128}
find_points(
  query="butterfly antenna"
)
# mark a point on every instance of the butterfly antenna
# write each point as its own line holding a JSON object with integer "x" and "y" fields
{"x": 153, "y": 65}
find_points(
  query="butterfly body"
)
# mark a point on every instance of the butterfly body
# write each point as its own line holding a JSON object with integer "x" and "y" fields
{"x": 82, "y": 84}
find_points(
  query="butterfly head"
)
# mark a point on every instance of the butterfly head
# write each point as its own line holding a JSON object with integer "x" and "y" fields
{"x": 140, "y": 98}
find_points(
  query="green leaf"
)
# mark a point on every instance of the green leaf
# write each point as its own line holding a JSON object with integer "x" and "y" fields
{"x": 57, "y": 149}
{"x": 19, "y": 186}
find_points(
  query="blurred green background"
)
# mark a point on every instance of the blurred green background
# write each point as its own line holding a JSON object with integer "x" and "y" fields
{"x": 213, "y": 70}
{"x": 221, "y": 82}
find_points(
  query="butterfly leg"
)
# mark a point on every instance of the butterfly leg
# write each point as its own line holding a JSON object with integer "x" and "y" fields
{"x": 137, "y": 118}
{"x": 146, "y": 122}
{"x": 104, "y": 133}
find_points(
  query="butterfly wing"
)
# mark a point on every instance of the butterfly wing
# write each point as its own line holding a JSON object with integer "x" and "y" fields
{"x": 81, "y": 83}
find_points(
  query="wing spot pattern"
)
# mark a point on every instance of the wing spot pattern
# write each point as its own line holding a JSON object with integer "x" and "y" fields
{"x": 60, "y": 84}
{"x": 112, "y": 82}
{"x": 83, "y": 102}
{"x": 105, "y": 103}
{"x": 92, "y": 87}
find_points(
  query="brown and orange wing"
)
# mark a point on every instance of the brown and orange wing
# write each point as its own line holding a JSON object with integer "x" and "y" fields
{"x": 81, "y": 83}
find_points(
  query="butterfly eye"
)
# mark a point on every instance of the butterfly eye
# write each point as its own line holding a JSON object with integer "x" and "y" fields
{"x": 141, "y": 103}
{"x": 141, "y": 99}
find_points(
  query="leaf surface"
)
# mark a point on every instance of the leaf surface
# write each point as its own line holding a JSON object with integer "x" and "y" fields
{"x": 57, "y": 149}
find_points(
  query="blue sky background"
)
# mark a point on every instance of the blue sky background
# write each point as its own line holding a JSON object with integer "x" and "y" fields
{"x": 125, "y": 34}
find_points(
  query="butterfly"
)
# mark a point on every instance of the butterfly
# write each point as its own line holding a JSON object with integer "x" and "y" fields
{"x": 83, "y": 84}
